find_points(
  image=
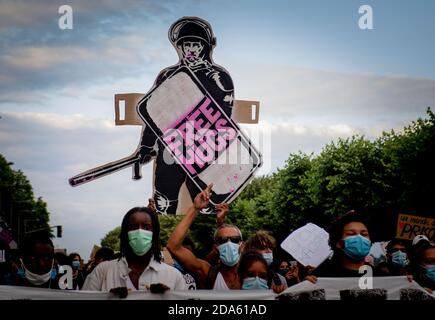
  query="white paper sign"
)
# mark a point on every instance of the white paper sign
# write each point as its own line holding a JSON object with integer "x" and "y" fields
{"x": 308, "y": 244}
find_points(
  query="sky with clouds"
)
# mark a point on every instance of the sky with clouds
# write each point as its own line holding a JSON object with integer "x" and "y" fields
{"x": 318, "y": 77}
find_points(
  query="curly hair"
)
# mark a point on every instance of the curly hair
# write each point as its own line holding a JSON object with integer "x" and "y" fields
{"x": 260, "y": 240}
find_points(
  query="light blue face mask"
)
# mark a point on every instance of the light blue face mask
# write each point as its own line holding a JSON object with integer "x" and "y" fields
{"x": 75, "y": 265}
{"x": 357, "y": 247}
{"x": 399, "y": 259}
{"x": 254, "y": 284}
{"x": 268, "y": 256}
{"x": 229, "y": 253}
{"x": 430, "y": 272}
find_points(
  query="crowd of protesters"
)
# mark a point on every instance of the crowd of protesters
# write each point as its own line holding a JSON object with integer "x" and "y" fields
{"x": 233, "y": 263}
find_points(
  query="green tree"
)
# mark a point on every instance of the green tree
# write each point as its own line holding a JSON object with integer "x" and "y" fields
{"x": 111, "y": 239}
{"x": 380, "y": 178}
{"x": 19, "y": 208}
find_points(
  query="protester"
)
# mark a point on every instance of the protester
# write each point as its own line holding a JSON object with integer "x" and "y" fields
{"x": 349, "y": 238}
{"x": 37, "y": 266}
{"x": 140, "y": 266}
{"x": 290, "y": 271}
{"x": 61, "y": 259}
{"x": 78, "y": 277}
{"x": 254, "y": 272}
{"x": 420, "y": 241}
{"x": 222, "y": 210}
{"x": 397, "y": 263}
{"x": 103, "y": 254}
{"x": 424, "y": 266}
{"x": 263, "y": 243}
{"x": 188, "y": 277}
{"x": 228, "y": 240}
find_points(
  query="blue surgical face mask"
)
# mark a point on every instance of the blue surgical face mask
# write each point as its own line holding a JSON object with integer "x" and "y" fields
{"x": 357, "y": 247}
{"x": 75, "y": 265}
{"x": 21, "y": 273}
{"x": 229, "y": 253}
{"x": 268, "y": 256}
{"x": 399, "y": 259}
{"x": 254, "y": 284}
{"x": 430, "y": 272}
{"x": 53, "y": 274}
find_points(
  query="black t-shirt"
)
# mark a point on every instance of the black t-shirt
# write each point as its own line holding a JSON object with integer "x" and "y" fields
{"x": 333, "y": 269}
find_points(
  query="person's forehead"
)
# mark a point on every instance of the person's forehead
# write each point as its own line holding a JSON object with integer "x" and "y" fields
{"x": 257, "y": 266}
{"x": 192, "y": 43}
{"x": 228, "y": 232}
{"x": 140, "y": 217}
{"x": 42, "y": 248}
{"x": 398, "y": 246}
{"x": 355, "y": 226}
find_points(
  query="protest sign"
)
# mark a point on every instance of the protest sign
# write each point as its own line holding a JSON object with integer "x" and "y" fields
{"x": 308, "y": 244}
{"x": 409, "y": 226}
{"x": 188, "y": 127}
{"x": 392, "y": 288}
{"x": 329, "y": 289}
{"x": 6, "y": 236}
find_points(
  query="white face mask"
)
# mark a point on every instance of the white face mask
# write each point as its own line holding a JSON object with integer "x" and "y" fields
{"x": 36, "y": 279}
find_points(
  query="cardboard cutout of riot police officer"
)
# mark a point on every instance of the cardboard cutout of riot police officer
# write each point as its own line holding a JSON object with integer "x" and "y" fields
{"x": 194, "y": 41}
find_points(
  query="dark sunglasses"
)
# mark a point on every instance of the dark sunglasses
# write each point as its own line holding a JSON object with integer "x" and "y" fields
{"x": 233, "y": 239}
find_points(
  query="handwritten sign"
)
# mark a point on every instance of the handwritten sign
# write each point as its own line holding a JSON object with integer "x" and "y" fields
{"x": 308, "y": 244}
{"x": 409, "y": 226}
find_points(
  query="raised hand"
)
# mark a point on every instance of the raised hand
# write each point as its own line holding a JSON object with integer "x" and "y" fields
{"x": 202, "y": 199}
{"x": 152, "y": 204}
{"x": 222, "y": 210}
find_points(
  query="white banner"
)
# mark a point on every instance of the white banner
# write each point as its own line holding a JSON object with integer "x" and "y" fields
{"x": 332, "y": 287}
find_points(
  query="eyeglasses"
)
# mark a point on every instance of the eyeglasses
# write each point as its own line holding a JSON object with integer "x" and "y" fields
{"x": 233, "y": 239}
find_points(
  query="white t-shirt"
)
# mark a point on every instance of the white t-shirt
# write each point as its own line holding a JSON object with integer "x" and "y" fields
{"x": 113, "y": 274}
{"x": 219, "y": 283}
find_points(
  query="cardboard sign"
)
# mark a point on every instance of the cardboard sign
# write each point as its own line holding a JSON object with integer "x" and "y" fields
{"x": 187, "y": 127}
{"x": 6, "y": 236}
{"x": 199, "y": 135}
{"x": 308, "y": 244}
{"x": 409, "y": 226}
{"x": 244, "y": 111}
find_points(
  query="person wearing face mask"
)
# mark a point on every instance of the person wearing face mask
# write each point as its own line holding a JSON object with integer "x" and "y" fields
{"x": 349, "y": 237}
{"x": 140, "y": 266}
{"x": 78, "y": 277}
{"x": 254, "y": 272}
{"x": 263, "y": 243}
{"x": 228, "y": 242}
{"x": 397, "y": 263}
{"x": 36, "y": 266}
{"x": 424, "y": 266}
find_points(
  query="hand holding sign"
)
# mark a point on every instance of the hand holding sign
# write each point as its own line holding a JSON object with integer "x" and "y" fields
{"x": 202, "y": 199}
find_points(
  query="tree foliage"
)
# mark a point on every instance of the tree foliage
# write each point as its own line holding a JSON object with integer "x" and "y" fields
{"x": 112, "y": 239}
{"x": 381, "y": 178}
{"x": 19, "y": 207}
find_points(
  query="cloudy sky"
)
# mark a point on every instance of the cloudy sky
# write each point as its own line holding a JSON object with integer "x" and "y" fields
{"x": 317, "y": 74}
